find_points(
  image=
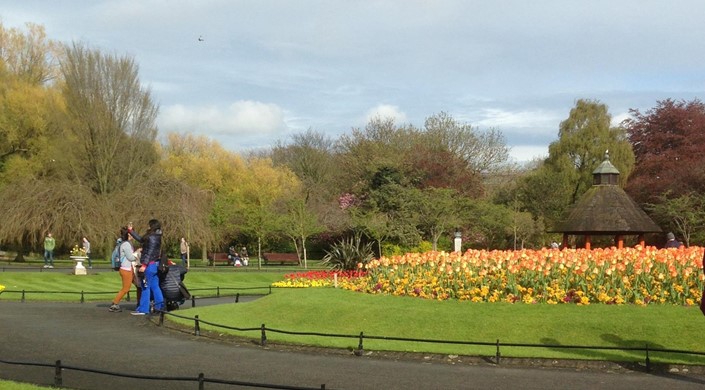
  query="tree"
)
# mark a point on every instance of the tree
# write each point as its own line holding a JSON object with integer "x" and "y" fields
{"x": 262, "y": 193}
{"x": 439, "y": 211}
{"x": 299, "y": 224}
{"x": 490, "y": 224}
{"x": 684, "y": 215}
{"x": 381, "y": 145}
{"x": 111, "y": 117}
{"x": 482, "y": 151}
{"x": 28, "y": 60}
{"x": 309, "y": 156}
{"x": 668, "y": 141}
{"x": 28, "y": 128}
{"x": 84, "y": 163}
{"x": 29, "y": 55}
{"x": 202, "y": 163}
{"x": 583, "y": 140}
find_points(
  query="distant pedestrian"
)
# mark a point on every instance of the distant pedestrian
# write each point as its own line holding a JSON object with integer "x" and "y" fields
{"x": 671, "y": 241}
{"x": 184, "y": 252}
{"x": 87, "y": 249}
{"x": 49, "y": 245}
{"x": 244, "y": 256}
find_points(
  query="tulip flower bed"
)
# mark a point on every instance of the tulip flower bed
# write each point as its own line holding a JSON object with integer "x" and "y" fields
{"x": 317, "y": 278}
{"x": 638, "y": 276}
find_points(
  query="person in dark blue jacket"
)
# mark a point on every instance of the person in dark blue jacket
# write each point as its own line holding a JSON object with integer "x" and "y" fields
{"x": 671, "y": 241}
{"x": 149, "y": 262}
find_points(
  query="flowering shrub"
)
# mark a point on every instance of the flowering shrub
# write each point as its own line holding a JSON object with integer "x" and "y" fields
{"x": 78, "y": 251}
{"x": 611, "y": 276}
{"x": 316, "y": 278}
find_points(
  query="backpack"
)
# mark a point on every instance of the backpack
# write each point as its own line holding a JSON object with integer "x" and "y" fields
{"x": 117, "y": 257}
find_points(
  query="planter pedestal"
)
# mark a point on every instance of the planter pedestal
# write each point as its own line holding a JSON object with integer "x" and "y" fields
{"x": 79, "y": 269}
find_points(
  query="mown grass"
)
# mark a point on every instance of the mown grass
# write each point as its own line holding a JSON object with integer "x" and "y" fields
{"x": 339, "y": 312}
{"x": 102, "y": 285}
{"x": 10, "y": 385}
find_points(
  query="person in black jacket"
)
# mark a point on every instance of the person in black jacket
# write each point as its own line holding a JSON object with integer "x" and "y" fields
{"x": 172, "y": 284}
{"x": 149, "y": 262}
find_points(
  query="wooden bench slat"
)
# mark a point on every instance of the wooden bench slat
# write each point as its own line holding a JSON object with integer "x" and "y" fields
{"x": 282, "y": 258}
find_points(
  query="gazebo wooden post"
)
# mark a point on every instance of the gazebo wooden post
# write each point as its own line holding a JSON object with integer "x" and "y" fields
{"x": 641, "y": 240}
{"x": 619, "y": 241}
{"x": 587, "y": 241}
{"x": 564, "y": 244}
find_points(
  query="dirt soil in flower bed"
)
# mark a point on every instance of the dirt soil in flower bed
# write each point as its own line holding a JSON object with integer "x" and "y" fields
{"x": 574, "y": 364}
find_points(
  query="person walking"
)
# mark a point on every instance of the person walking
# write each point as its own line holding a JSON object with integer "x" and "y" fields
{"x": 184, "y": 252}
{"x": 127, "y": 256}
{"x": 49, "y": 245}
{"x": 149, "y": 265}
{"x": 87, "y": 249}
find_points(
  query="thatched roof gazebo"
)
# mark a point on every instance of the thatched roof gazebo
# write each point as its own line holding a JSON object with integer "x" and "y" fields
{"x": 606, "y": 210}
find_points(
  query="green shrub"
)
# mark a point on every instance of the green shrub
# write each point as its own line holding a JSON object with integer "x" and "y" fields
{"x": 347, "y": 253}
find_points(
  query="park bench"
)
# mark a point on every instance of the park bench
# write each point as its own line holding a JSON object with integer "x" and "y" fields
{"x": 281, "y": 258}
{"x": 217, "y": 257}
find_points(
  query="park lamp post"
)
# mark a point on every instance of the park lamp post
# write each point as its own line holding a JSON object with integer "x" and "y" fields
{"x": 458, "y": 241}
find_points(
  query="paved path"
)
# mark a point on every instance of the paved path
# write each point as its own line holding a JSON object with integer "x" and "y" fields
{"x": 88, "y": 336}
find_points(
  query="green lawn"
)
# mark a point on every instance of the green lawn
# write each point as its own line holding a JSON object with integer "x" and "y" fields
{"x": 334, "y": 311}
{"x": 10, "y": 385}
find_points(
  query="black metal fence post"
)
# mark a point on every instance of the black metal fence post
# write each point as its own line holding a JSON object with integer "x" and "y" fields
{"x": 201, "y": 381}
{"x": 128, "y": 296}
{"x": 217, "y": 291}
{"x": 58, "y": 380}
{"x": 648, "y": 361}
{"x": 360, "y": 348}
{"x": 83, "y": 299}
{"x": 22, "y": 296}
{"x": 193, "y": 301}
{"x": 237, "y": 297}
{"x": 197, "y": 326}
{"x": 263, "y": 339}
{"x": 161, "y": 318}
{"x": 497, "y": 355}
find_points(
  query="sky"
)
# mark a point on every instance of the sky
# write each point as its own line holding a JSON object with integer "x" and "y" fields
{"x": 252, "y": 73}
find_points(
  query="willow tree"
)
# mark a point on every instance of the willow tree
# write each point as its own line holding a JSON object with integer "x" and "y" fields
{"x": 204, "y": 164}
{"x": 29, "y": 54}
{"x": 583, "y": 139}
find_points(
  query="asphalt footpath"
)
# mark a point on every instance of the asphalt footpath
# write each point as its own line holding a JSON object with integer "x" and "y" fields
{"x": 87, "y": 336}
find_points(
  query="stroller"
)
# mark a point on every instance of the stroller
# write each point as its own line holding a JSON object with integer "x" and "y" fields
{"x": 171, "y": 282}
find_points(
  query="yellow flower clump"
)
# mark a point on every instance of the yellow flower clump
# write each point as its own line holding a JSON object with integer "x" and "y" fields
{"x": 78, "y": 251}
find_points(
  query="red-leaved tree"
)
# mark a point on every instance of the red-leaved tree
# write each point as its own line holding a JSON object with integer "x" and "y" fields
{"x": 669, "y": 147}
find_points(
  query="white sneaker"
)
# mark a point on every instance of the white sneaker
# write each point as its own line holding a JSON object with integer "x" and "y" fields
{"x": 46, "y": 265}
{"x": 51, "y": 266}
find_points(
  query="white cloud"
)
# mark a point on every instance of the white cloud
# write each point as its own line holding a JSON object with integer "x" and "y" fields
{"x": 384, "y": 111}
{"x": 617, "y": 119}
{"x": 497, "y": 117}
{"x": 526, "y": 153}
{"x": 240, "y": 118}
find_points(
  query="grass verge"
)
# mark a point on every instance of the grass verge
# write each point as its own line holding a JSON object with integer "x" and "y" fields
{"x": 338, "y": 312}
